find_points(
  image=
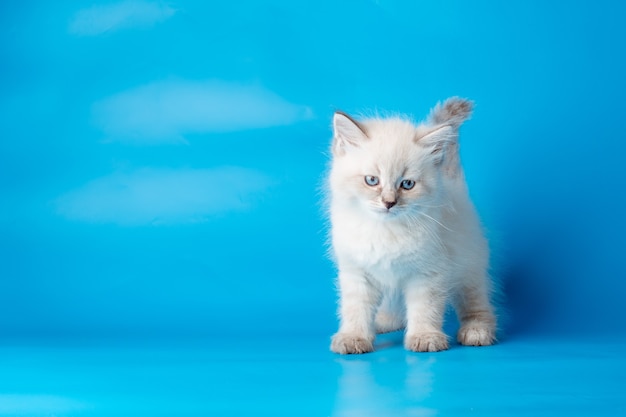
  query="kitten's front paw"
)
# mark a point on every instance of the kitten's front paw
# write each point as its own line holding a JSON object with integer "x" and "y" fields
{"x": 349, "y": 343}
{"x": 476, "y": 334}
{"x": 426, "y": 342}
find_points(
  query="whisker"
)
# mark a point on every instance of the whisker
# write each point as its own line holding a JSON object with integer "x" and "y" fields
{"x": 436, "y": 221}
{"x": 439, "y": 206}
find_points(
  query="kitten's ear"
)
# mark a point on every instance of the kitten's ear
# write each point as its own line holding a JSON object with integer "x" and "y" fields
{"x": 346, "y": 133}
{"x": 436, "y": 139}
{"x": 453, "y": 112}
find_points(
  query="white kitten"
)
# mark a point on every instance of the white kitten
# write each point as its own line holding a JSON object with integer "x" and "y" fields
{"x": 405, "y": 234}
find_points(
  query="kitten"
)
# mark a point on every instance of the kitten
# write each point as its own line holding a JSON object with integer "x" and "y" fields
{"x": 405, "y": 235}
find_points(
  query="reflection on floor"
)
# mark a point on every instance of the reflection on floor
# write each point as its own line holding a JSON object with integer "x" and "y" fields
{"x": 301, "y": 377}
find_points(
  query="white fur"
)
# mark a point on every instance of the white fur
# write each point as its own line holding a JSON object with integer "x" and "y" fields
{"x": 399, "y": 267}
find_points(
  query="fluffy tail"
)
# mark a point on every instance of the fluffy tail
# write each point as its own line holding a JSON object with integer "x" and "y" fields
{"x": 454, "y": 111}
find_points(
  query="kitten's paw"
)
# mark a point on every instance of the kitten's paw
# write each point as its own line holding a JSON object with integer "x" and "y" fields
{"x": 346, "y": 344}
{"x": 476, "y": 334}
{"x": 426, "y": 342}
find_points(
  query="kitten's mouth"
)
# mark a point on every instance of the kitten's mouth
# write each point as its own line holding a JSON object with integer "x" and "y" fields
{"x": 385, "y": 212}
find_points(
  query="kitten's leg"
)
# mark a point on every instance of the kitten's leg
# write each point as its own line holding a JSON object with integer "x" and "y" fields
{"x": 358, "y": 303}
{"x": 391, "y": 314}
{"x": 478, "y": 321}
{"x": 425, "y": 308}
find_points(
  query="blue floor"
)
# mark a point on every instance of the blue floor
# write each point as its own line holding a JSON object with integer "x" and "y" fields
{"x": 299, "y": 377}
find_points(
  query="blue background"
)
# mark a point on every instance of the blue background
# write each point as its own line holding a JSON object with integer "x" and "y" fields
{"x": 161, "y": 162}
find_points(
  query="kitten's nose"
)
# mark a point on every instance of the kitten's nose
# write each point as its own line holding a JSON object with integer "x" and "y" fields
{"x": 389, "y": 204}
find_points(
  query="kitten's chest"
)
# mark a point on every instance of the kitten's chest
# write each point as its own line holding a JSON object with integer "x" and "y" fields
{"x": 387, "y": 252}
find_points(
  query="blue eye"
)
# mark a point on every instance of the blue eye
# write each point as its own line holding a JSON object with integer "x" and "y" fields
{"x": 371, "y": 180}
{"x": 407, "y": 184}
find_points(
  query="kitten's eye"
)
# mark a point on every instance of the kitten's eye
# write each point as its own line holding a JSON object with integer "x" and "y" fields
{"x": 371, "y": 180}
{"x": 407, "y": 184}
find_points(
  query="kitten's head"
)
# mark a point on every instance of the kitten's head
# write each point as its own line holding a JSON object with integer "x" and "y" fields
{"x": 392, "y": 168}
